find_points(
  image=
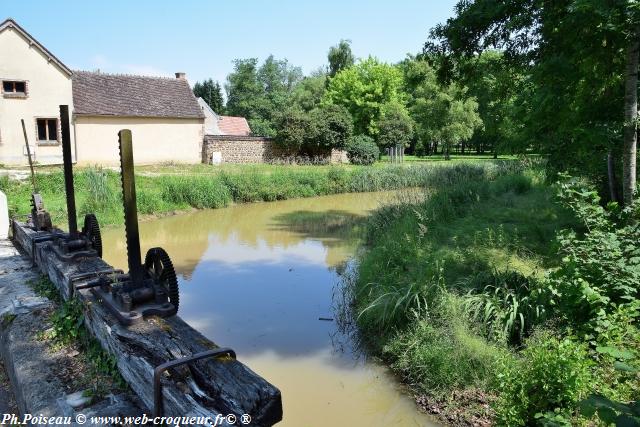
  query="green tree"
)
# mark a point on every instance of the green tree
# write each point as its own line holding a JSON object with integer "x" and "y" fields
{"x": 580, "y": 59}
{"x": 363, "y": 89}
{"x": 340, "y": 57}
{"x": 211, "y": 93}
{"x": 324, "y": 128}
{"x": 495, "y": 85}
{"x": 292, "y": 128}
{"x": 243, "y": 89}
{"x": 258, "y": 93}
{"x": 309, "y": 92}
{"x": 445, "y": 115}
{"x": 331, "y": 126}
{"x": 396, "y": 126}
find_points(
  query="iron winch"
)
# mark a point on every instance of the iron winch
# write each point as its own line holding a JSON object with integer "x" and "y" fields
{"x": 88, "y": 241}
{"x": 147, "y": 289}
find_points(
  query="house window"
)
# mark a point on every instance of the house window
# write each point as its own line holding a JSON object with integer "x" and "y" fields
{"x": 47, "y": 131}
{"x": 14, "y": 88}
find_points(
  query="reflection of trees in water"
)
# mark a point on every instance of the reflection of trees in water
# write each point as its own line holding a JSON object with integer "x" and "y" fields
{"x": 332, "y": 220}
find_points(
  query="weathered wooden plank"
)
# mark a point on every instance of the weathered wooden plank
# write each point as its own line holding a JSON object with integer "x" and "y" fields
{"x": 204, "y": 388}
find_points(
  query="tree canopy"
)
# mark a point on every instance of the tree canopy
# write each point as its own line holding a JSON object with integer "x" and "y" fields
{"x": 363, "y": 89}
{"x": 211, "y": 93}
{"x": 340, "y": 57}
{"x": 577, "y": 95}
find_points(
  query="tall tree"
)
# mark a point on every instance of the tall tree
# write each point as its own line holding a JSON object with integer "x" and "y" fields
{"x": 259, "y": 92}
{"x": 446, "y": 115}
{"x": 363, "y": 89}
{"x": 396, "y": 126}
{"x": 579, "y": 56}
{"x": 309, "y": 92}
{"x": 243, "y": 88}
{"x": 340, "y": 57}
{"x": 211, "y": 93}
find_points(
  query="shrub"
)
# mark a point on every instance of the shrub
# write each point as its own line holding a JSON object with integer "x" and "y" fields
{"x": 550, "y": 376}
{"x": 600, "y": 268}
{"x": 292, "y": 126}
{"x": 362, "y": 150}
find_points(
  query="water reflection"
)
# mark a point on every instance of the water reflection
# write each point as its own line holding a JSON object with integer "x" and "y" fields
{"x": 257, "y": 278}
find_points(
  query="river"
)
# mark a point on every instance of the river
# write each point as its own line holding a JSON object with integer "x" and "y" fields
{"x": 259, "y": 278}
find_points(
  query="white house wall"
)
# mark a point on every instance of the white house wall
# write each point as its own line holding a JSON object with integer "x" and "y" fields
{"x": 48, "y": 87}
{"x": 155, "y": 140}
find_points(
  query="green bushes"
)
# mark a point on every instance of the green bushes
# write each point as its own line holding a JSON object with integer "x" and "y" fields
{"x": 548, "y": 378}
{"x": 362, "y": 150}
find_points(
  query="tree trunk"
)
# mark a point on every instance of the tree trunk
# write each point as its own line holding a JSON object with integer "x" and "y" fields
{"x": 630, "y": 118}
{"x": 611, "y": 173}
{"x": 446, "y": 152}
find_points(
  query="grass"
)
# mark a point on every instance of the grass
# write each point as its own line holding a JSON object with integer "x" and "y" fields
{"x": 453, "y": 158}
{"x": 410, "y": 290}
{"x": 171, "y": 187}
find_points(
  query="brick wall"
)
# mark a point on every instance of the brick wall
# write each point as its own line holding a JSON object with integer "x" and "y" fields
{"x": 255, "y": 149}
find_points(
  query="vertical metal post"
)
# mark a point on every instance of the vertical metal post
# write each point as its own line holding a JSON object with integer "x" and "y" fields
{"x": 68, "y": 171}
{"x": 26, "y": 141}
{"x": 134, "y": 257}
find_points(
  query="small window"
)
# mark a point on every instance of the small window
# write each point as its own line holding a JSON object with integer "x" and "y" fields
{"x": 47, "y": 130}
{"x": 14, "y": 88}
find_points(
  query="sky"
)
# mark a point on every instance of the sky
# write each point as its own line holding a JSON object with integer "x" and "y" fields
{"x": 202, "y": 38}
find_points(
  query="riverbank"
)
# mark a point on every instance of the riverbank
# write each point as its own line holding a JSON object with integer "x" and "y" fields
{"x": 166, "y": 189}
{"x": 473, "y": 298}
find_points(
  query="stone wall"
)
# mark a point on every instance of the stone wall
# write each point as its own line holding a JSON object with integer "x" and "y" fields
{"x": 253, "y": 149}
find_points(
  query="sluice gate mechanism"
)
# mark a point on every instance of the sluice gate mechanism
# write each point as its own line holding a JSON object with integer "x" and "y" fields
{"x": 40, "y": 219}
{"x": 147, "y": 289}
{"x": 88, "y": 241}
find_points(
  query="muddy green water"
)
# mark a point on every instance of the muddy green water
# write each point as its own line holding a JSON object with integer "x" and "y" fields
{"x": 257, "y": 278}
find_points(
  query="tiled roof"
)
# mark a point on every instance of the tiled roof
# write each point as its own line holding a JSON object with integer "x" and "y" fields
{"x": 229, "y": 125}
{"x": 133, "y": 96}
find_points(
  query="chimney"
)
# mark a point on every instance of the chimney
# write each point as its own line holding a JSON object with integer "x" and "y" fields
{"x": 181, "y": 76}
